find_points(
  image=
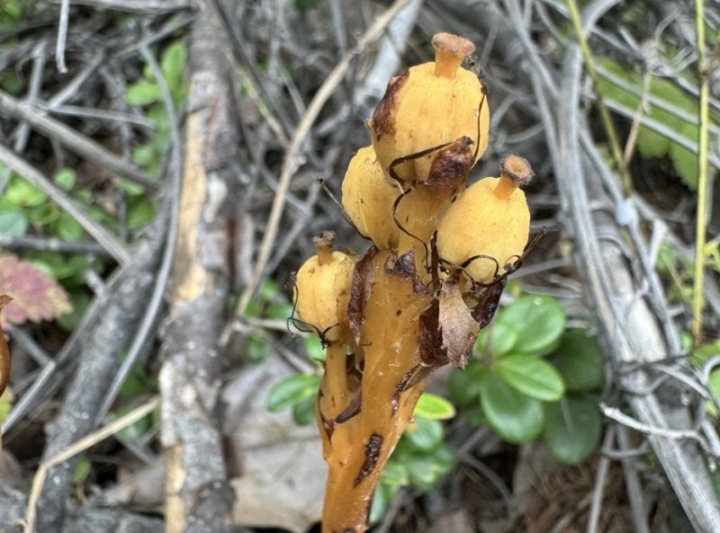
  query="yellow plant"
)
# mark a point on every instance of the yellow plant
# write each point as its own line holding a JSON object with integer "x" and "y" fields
{"x": 431, "y": 280}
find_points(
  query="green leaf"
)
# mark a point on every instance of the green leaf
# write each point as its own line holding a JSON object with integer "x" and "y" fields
{"x": 82, "y": 471}
{"x": 143, "y": 92}
{"x": 384, "y": 495}
{"x": 579, "y": 361}
{"x": 140, "y": 212}
{"x": 464, "y": 385}
{"x": 497, "y": 340}
{"x": 714, "y": 386}
{"x": 425, "y": 435}
{"x": 395, "y": 473}
{"x": 314, "y": 348}
{"x": 65, "y": 178}
{"x": 269, "y": 290}
{"x": 532, "y": 376}
{"x": 172, "y": 64}
{"x": 23, "y": 193}
{"x": 539, "y": 321}
{"x": 279, "y": 311}
{"x": 257, "y": 347}
{"x": 515, "y": 417}
{"x": 426, "y": 470}
{"x": 573, "y": 427}
{"x": 686, "y": 162}
{"x": 43, "y": 214}
{"x": 68, "y": 229}
{"x": 304, "y": 411}
{"x": 13, "y": 222}
{"x": 79, "y": 299}
{"x": 434, "y": 407}
{"x": 474, "y": 415}
{"x": 292, "y": 390}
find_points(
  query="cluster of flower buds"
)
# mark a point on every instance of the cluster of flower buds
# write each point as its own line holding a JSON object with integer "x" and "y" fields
{"x": 431, "y": 280}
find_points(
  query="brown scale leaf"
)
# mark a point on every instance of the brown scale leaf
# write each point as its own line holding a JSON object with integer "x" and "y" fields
{"x": 451, "y": 166}
{"x": 35, "y": 295}
{"x": 362, "y": 281}
{"x": 383, "y": 118}
{"x": 430, "y": 342}
{"x": 457, "y": 325}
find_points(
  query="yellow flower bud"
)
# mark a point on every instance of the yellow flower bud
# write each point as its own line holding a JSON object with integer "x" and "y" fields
{"x": 489, "y": 221}
{"x": 368, "y": 199}
{"x": 323, "y": 289}
{"x": 432, "y": 104}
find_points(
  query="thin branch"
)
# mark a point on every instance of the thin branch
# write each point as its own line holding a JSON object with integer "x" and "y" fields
{"x": 74, "y": 141}
{"x": 106, "y": 239}
{"x": 83, "y": 444}
{"x": 62, "y": 36}
{"x": 292, "y": 157}
{"x": 703, "y": 185}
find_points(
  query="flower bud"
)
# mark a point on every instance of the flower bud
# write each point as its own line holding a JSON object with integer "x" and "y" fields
{"x": 488, "y": 224}
{"x": 430, "y": 105}
{"x": 323, "y": 289}
{"x": 368, "y": 199}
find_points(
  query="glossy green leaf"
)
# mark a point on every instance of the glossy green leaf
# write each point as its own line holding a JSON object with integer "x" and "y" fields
{"x": 474, "y": 415}
{"x": 426, "y": 470}
{"x": 425, "y": 435}
{"x": 573, "y": 427}
{"x": 539, "y": 321}
{"x": 497, "y": 340}
{"x": 292, "y": 390}
{"x": 384, "y": 494}
{"x": 434, "y": 407}
{"x": 464, "y": 385}
{"x": 516, "y": 417}
{"x": 314, "y": 348}
{"x": 13, "y": 222}
{"x": 579, "y": 361}
{"x": 304, "y": 411}
{"x": 532, "y": 376}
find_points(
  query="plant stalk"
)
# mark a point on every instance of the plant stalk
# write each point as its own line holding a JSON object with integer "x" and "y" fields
{"x": 702, "y": 212}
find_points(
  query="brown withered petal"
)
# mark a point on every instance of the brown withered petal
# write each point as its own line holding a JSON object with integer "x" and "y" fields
{"x": 459, "y": 328}
{"x": 383, "y": 118}
{"x": 451, "y": 166}
{"x": 362, "y": 281}
{"x": 4, "y": 350}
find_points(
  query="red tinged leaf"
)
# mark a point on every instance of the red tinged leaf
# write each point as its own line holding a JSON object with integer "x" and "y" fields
{"x": 35, "y": 295}
{"x": 4, "y": 350}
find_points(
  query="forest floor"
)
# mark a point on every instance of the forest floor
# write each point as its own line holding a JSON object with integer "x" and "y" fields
{"x": 164, "y": 165}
